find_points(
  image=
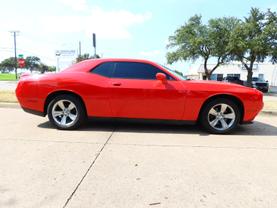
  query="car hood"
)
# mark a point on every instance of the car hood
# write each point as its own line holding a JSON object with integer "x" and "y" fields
{"x": 216, "y": 86}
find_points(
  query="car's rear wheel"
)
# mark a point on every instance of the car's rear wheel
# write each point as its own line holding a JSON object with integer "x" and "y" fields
{"x": 66, "y": 112}
{"x": 220, "y": 116}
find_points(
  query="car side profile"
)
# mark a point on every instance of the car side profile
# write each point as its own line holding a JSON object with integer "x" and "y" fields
{"x": 135, "y": 89}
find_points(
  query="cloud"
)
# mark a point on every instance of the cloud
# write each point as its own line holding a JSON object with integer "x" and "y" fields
{"x": 78, "y": 5}
{"x": 44, "y": 34}
{"x": 112, "y": 24}
{"x": 150, "y": 53}
{"x": 273, "y": 7}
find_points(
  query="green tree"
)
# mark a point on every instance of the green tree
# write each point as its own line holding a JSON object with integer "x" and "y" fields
{"x": 8, "y": 64}
{"x": 254, "y": 40}
{"x": 196, "y": 40}
{"x": 51, "y": 68}
{"x": 32, "y": 63}
{"x": 45, "y": 68}
{"x": 86, "y": 56}
{"x": 83, "y": 57}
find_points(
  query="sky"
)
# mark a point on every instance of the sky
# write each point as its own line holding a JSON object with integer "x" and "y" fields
{"x": 124, "y": 28}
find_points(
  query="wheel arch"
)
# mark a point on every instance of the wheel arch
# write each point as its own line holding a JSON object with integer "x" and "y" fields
{"x": 226, "y": 96}
{"x": 54, "y": 94}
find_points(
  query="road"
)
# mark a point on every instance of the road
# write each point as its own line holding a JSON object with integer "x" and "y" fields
{"x": 107, "y": 164}
{"x": 8, "y": 85}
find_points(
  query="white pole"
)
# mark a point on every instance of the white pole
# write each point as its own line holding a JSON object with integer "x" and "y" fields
{"x": 58, "y": 62}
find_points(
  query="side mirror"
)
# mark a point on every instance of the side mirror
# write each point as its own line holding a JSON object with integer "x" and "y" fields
{"x": 161, "y": 77}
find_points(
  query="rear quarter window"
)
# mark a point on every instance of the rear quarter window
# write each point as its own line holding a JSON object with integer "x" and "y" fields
{"x": 104, "y": 69}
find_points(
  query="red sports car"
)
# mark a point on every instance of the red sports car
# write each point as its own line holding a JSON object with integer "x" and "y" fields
{"x": 135, "y": 89}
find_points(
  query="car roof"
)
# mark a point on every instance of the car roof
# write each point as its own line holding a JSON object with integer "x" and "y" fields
{"x": 91, "y": 63}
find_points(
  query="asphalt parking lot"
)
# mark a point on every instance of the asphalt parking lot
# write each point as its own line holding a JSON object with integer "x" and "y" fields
{"x": 108, "y": 164}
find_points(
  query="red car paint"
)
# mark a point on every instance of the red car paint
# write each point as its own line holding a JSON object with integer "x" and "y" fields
{"x": 133, "y": 98}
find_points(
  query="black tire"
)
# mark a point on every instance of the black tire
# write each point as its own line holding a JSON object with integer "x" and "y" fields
{"x": 205, "y": 117}
{"x": 78, "y": 112}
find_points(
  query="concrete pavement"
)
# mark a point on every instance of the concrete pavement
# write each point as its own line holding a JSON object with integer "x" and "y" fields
{"x": 107, "y": 164}
{"x": 8, "y": 85}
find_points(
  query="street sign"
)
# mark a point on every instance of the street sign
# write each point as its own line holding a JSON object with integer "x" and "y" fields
{"x": 21, "y": 62}
{"x": 66, "y": 52}
{"x": 20, "y": 56}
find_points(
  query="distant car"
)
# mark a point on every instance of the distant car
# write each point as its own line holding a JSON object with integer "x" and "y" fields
{"x": 135, "y": 89}
{"x": 234, "y": 80}
{"x": 260, "y": 84}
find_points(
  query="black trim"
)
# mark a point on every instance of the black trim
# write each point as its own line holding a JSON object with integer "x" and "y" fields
{"x": 165, "y": 71}
{"x": 140, "y": 120}
{"x": 247, "y": 122}
{"x": 38, "y": 113}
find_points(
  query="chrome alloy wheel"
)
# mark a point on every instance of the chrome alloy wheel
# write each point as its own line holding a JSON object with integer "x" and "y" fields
{"x": 221, "y": 116}
{"x": 64, "y": 113}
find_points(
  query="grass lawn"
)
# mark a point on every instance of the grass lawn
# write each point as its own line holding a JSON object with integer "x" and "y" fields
{"x": 7, "y": 77}
{"x": 7, "y": 96}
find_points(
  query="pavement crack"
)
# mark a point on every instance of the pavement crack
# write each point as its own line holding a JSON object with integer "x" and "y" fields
{"x": 91, "y": 165}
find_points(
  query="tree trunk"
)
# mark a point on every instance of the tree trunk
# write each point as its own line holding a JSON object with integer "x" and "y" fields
{"x": 249, "y": 73}
{"x": 207, "y": 74}
{"x": 249, "y": 77}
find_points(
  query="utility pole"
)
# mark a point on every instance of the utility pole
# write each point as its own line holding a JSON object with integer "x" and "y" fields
{"x": 15, "y": 33}
{"x": 58, "y": 54}
{"x": 94, "y": 43}
{"x": 80, "y": 48}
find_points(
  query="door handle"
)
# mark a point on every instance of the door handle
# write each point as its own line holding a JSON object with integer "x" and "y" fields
{"x": 116, "y": 84}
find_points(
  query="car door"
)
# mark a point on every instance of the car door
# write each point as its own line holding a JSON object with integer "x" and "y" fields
{"x": 136, "y": 93}
{"x": 98, "y": 90}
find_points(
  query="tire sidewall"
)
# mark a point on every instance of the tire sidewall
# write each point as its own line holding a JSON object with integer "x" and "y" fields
{"x": 207, "y": 108}
{"x": 80, "y": 115}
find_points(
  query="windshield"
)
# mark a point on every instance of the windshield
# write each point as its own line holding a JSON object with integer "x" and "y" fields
{"x": 174, "y": 72}
{"x": 257, "y": 79}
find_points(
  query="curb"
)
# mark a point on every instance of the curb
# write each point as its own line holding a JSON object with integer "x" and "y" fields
{"x": 272, "y": 113}
{"x": 9, "y": 105}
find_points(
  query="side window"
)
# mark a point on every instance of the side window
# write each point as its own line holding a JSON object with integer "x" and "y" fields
{"x": 104, "y": 69}
{"x": 135, "y": 70}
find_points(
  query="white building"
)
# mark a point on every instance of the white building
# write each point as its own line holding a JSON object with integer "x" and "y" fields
{"x": 267, "y": 71}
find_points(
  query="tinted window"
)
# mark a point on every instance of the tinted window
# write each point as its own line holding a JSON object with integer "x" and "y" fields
{"x": 133, "y": 70}
{"x": 104, "y": 69}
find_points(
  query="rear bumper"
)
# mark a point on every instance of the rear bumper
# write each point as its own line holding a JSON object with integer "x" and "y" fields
{"x": 35, "y": 112}
{"x": 27, "y": 96}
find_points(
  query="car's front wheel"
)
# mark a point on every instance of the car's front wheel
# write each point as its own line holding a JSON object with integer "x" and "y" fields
{"x": 220, "y": 116}
{"x": 66, "y": 112}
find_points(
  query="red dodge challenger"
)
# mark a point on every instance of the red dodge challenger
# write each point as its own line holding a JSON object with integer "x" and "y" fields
{"x": 135, "y": 89}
